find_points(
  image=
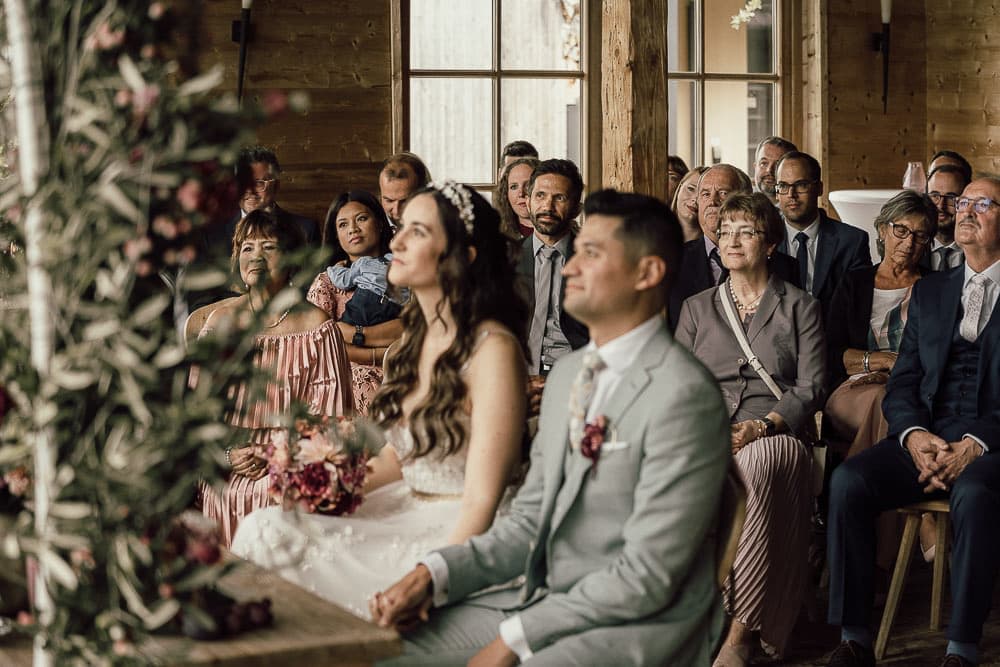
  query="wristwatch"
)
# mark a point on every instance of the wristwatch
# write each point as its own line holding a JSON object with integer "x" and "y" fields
{"x": 359, "y": 336}
{"x": 768, "y": 426}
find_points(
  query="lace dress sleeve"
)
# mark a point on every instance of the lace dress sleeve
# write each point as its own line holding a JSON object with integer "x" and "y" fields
{"x": 325, "y": 295}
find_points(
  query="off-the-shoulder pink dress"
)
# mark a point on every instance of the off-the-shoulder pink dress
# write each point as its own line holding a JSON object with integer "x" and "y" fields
{"x": 311, "y": 367}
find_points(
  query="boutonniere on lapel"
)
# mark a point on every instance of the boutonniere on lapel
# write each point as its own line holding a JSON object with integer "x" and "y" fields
{"x": 593, "y": 438}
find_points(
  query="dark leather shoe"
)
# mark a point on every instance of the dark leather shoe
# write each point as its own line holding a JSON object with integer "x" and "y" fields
{"x": 952, "y": 660}
{"x": 852, "y": 654}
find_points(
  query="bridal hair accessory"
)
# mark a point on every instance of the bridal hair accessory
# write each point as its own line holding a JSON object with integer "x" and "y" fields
{"x": 459, "y": 197}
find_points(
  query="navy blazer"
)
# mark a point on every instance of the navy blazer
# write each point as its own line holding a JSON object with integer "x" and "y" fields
{"x": 935, "y": 308}
{"x": 839, "y": 248}
{"x": 848, "y": 318}
{"x": 225, "y": 235}
{"x": 575, "y": 331}
{"x": 695, "y": 275}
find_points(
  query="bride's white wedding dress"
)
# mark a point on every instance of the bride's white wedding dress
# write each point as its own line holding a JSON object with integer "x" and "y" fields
{"x": 347, "y": 559}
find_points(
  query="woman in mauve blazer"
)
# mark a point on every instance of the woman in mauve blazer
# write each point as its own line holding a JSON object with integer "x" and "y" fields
{"x": 784, "y": 328}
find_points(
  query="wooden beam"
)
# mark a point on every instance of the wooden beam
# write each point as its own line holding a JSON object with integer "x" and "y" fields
{"x": 634, "y": 95}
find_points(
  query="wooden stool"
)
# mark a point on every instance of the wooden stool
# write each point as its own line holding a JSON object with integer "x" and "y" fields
{"x": 940, "y": 510}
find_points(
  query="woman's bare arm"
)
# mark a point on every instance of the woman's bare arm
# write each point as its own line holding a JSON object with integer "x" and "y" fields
{"x": 496, "y": 380}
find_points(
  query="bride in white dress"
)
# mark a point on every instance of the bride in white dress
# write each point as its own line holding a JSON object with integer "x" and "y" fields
{"x": 453, "y": 404}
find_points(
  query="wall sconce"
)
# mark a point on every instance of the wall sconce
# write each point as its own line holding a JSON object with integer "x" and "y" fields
{"x": 880, "y": 43}
{"x": 242, "y": 32}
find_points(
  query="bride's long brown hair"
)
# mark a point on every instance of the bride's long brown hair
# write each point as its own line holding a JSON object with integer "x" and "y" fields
{"x": 476, "y": 291}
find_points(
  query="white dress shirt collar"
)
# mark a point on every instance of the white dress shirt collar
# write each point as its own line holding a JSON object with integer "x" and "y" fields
{"x": 992, "y": 272}
{"x": 812, "y": 231}
{"x": 562, "y": 245}
{"x": 620, "y": 353}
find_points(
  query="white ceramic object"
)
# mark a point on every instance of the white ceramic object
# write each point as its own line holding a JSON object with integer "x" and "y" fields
{"x": 859, "y": 208}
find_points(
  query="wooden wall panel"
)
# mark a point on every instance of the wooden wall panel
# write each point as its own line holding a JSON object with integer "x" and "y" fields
{"x": 633, "y": 82}
{"x": 963, "y": 81}
{"x": 337, "y": 51}
{"x": 866, "y": 148}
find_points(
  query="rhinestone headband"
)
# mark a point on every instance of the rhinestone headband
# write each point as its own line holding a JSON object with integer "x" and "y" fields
{"x": 459, "y": 197}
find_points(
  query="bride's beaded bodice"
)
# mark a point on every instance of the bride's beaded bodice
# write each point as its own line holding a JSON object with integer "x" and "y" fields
{"x": 429, "y": 474}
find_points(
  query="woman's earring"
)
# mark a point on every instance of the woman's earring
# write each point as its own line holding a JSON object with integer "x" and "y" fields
{"x": 880, "y": 246}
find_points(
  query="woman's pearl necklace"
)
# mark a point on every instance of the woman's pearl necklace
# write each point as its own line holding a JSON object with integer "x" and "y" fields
{"x": 739, "y": 306}
{"x": 277, "y": 322}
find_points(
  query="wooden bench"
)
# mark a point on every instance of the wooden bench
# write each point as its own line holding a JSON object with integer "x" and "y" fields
{"x": 307, "y": 630}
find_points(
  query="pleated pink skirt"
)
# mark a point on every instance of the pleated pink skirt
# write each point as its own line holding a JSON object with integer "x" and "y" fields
{"x": 240, "y": 496}
{"x": 771, "y": 570}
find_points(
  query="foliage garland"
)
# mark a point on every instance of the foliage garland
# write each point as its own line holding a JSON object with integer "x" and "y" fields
{"x": 140, "y": 150}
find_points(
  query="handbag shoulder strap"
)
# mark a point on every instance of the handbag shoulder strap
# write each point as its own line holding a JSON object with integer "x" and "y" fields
{"x": 741, "y": 337}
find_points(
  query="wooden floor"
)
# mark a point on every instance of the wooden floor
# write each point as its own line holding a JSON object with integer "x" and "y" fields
{"x": 911, "y": 642}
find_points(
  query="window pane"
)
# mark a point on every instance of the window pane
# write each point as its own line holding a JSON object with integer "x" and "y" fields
{"x": 436, "y": 44}
{"x": 748, "y": 49}
{"x": 683, "y": 120}
{"x": 451, "y": 127}
{"x": 737, "y": 116}
{"x": 545, "y": 112}
{"x": 682, "y": 41}
{"x": 540, "y": 34}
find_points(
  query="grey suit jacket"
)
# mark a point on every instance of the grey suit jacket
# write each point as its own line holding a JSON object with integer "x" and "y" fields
{"x": 634, "y": 544}
{"x": 787, "y": 336}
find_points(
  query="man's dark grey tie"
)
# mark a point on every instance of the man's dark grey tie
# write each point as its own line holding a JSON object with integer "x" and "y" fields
{"x": 543, "y": 302}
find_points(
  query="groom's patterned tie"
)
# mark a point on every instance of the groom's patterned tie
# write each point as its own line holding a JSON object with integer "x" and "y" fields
{"x": 581, "y": 394}
{"x": 969, "y": 328}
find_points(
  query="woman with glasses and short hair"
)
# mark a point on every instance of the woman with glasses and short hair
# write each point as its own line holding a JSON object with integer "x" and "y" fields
{"x": 866, "y": 319}
{"x": 762, "y": 339}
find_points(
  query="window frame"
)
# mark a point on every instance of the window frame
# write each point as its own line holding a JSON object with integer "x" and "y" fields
{"x": 700, "y": 77}
{"x": 589, "y": 62}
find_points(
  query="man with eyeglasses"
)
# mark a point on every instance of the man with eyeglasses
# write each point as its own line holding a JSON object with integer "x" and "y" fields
{"x": 944, "y": 186}
{"x": 701, "y": 264}
{"x": 259, "y": 177}
{"x": 943, "y": 411}
{"x": 825, "y": 249}
{"x": 769, "y": 151}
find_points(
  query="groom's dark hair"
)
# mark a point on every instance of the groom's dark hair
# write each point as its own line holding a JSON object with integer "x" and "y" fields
{"x": 648, "y": 227}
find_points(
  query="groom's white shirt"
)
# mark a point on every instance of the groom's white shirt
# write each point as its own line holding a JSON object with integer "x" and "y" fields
{"x": 618, "y": 355}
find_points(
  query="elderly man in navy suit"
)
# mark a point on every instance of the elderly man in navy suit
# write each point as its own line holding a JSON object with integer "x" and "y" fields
{"x": 825, "y": 249}
{"x": 944, "y": 435}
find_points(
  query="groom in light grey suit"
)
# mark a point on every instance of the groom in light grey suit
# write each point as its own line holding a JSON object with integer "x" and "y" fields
{"x": 616, "y": 553}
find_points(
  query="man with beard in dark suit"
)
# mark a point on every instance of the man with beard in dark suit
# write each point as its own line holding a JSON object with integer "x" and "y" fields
{"x": 554, "y": 196}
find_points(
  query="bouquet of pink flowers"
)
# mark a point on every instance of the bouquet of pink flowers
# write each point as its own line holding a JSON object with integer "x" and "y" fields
{"x": 320, "y": 464}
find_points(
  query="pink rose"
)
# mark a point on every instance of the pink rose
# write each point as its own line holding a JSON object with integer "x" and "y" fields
{"x": 313, "y": 449}
{"x": 275, "y": 102}
{"x": 156, "y": 10}
{"x": 105, "y": 38}
{"x": 165, "y": 227}
{"x": 145, "y": 98}
{"x": 136, "y": 248}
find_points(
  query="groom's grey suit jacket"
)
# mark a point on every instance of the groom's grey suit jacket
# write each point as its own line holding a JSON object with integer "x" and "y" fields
{"x": 631, "y": 547}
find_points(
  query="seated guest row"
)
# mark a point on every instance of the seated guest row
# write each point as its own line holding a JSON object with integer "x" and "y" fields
{"x": 733, "y": 301}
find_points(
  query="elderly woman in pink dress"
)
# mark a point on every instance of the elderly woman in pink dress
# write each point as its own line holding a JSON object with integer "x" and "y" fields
{"x": 301, "y": 348}
{"x": 356, "y": 228}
